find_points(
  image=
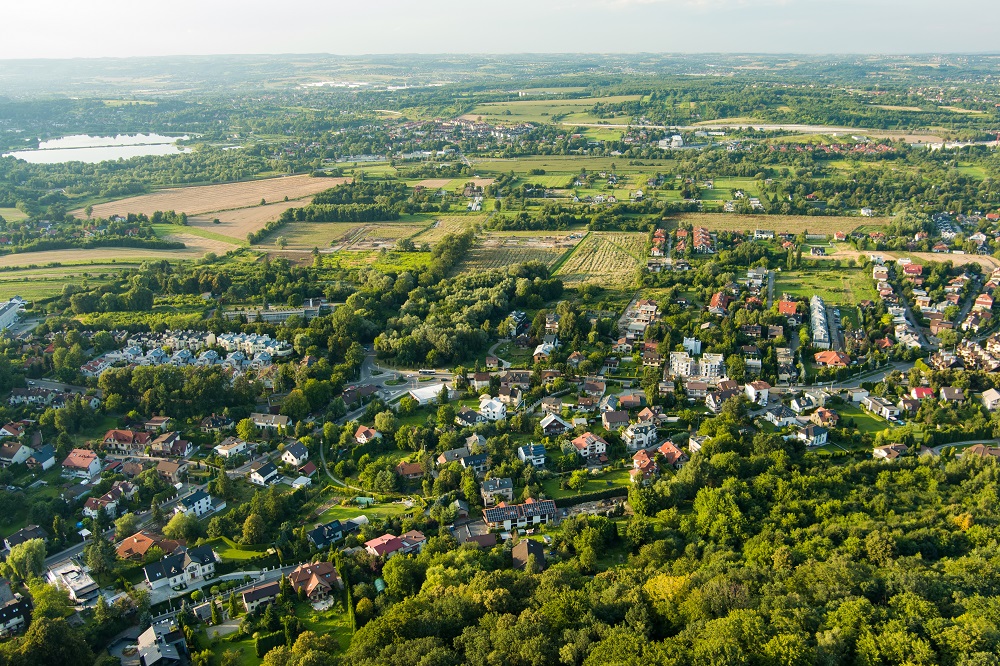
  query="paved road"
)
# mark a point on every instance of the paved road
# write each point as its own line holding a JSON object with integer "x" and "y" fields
{"x": 770, "y": 289}
{"x": 936, "y": 450}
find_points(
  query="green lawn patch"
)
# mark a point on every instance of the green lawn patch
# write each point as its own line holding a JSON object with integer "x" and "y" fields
{"x": 230, "y": 550}
{"x": 612, "y": 479}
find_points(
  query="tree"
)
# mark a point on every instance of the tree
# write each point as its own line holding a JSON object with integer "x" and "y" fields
{"x": 52, "y": 641}
{"x": 99, "y": 555}
{"x": 386, "y": 423}
{"x": 235, "y": 605}
{"x": 26, "y": 560}
{"x": 295, "y": 405}
{"x": 253, "y": 529}
{"x": 182, "y": 526}
{"x": 403, "y": 576}
{"x": 247, "y": 430}
{"x": 126, "y": 526}
{"x": 48, "y": 600}
{"x": 445, "y": 416}
{"x": 216, "y": 612}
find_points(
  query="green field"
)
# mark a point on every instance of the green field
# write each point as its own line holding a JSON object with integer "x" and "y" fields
{"x": 548, "y": 111}
{"x": 12, "y": 214}
{"x": 374, "y": 512}
{"x": 843, "y": 286}
{"x": 863, "y": 421}
{"x": 230, "y": 550}
{"x": 615, "y": 478}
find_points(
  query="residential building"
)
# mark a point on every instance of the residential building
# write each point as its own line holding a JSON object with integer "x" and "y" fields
{"x": 639, "y": 435}
{"x": 672, "y": 455}
{"x": 260, "y": 595}
{"x": 514, "y": 516}
{"x": 889, "y": 451}
{"x": 468, "y": 417}
{"x": 991, "y": 399}
{"x": 492, "y": 409}
{"x": 812, "y": 435}
{"x": 318, "y": 579}
{"x": 197, "y": 504}
{"x": 364, "y": 434}
{"x": 553, "y": 425}
{"x": 181, "y": 568}
{"x": 613, "y": 420}
{"x": 42, "y": 459}
{"x": 453, "y": 455}
{"x": 231, "y": 447}
{"x": 643, "y": 468}
{"x": 163, "y": 644}
{"x": 82, "y": 463}
{"x": 497, "y": 490}
{"x": 590, "y": 445}
{"x": 323, "y": 536}
{"x": 952, "y": 394}
{"x": 410, "y": 470}
{"x": 533, "y": 454}
{"x": 136, "y": 546}
{"x": 75, "y": 580}
{"x": 818, "y": 323}
{"x": 295, "y": 454}
{"x": 271, "y": 422}
{"x": 880, "y": 407}
{"x": 263, "y": 474}
{"x": 24, "y": 534}
{"x": 528, "y": 552}
{"x": 171, "y": 470}
{"x": 757, "y": 392}
{"x": 14, "y": 453}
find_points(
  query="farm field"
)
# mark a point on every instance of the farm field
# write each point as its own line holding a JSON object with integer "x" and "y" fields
{"x": 239, "y": 222}
{"x": 47, "y": 282}
{"x": 842, "y": 286}
{"x": 501, "y": 248}
{"x": 567, "y": 164}
{"x": 104, "y": 255}
{"x": 443, "y": 226}
{"x": 543, "y": 111}
{"x": 201, "y": 199}
{"x": 200, "y": 244}
{"x": 307, "y": 235}
{"x": 387, "y": 262}
{"x": 777, "y": 223}
{"x": 610, "y": 257}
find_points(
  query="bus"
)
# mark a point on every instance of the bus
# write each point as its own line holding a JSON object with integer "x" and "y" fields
{"x": 425, "y": 371}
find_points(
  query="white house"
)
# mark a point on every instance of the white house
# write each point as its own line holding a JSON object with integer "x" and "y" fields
{"x": 364, "y": 434}
{"x": 82, "y": 463}
{"x": 639, "y": 435}
{"x": 196, "y": 504}
{"x": 492, "y": 409}
{"x": 533, "y": 454}
{"x": 991, "y": 399}
{"x": 263, "y": 474}
{"x": 757, "y": 392}
{"x": 295, "y": 455}
{"x": 181, "y": 568}
{"x": 230, "y": 447}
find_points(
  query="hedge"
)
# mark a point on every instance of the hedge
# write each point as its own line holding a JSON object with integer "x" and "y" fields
{"x": 620, "y": 491}
{"x": 268, "y": 642}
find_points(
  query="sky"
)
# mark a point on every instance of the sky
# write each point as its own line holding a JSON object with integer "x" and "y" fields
{"x": 128, "y": 28}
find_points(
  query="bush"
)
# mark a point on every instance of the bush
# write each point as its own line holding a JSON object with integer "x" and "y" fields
{"x": 267, "y": 642}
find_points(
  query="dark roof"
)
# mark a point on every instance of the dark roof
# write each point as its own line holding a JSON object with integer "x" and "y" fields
{"x": 493, "y": 485}
{"x": 297, "y": 449}
{"x": 26, "y": 533}
{"x": 513, "y": 512}
{"x": 258, "y": 592}
{"x": 324, "y": 535}
{"x": 524, "y": 549}
{"x": 194, "y": 498}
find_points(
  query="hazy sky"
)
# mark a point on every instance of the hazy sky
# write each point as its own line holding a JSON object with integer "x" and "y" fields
{"x": 91, "y": 28}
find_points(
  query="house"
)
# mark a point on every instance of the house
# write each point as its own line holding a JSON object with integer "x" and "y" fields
{"x": 157, "y": 424}
{"x": 832, "y": 359}
{"x": 295, "y": 454}
{"x": 812, "y": 435}
{"x": 389, "y": 545}
{"x": 477, "y": 462}
{"x": 757, "y": 392}
{"x": 511, "y": 396}
{"x": 14, "y": 453}
{"x": 216, "y": 423}
{"x": 196, "y": 504}
{"x": 982, "y": 451}
{"x": 260, "y": 595}
{"x": 270, "y": 422}
{"x": 880, "y": 407}
{"x": 263, "y": 473}
{"x": 494, "y": 490}
{"x": 589, "y": 445}
{"x": 804, "y": 403}
{"x": 108, "y": 502}
{"x": 427, "y": 395}
{"x": 492, "y": 409}
{"x": 672, "y": 455}
{"x": 15, "y": 610}
{"x": 469, "y": 418}
{"x": 231, "y": 447}
{"x": 25, "y": 534}
{"x": 82, "y": 463}
{"x": 171, "y": 471}
{"x": 991, "y": 399}
{"x": 825, "y": 417}
{"x": 323, "y": 536}
{"x": 952, "y": 394}
{"x": 921, "y": 393}
{"x": 554, "y": 425}
{"x": 629, "y": 401}
{"x": 183, "y": 567}
{"x": 453, "y": 455}
{"x": 889, "y": 451}
{"x": 410, "y": 470}
{"x": 594, "y": 389}
{"x": 613, "y": 420}
{"x": 72, "y": 578}
{"x": 42, "y": 459}
{"x": 136, "y": 546}
{"x": 519, "y": 516}
{"x": 551, "y": 405}
{"x": 780, "y": 416}
{"x": 533, "y": 454}
{"x": 643, "y": 468}
{"x": 318, "y": 579}
{"x": 639, "y": 435}
{"x": 163, "y": 644}
{"x": 364, "y": 434}
{"x": 170, "y": 444}
{"x": 983, "y": 302}
{"x": 716, "y": 399}
{"x": 528, "y": 552}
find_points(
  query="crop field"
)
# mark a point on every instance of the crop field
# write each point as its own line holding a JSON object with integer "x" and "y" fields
{"x": 384, "y": 233}
{"x": 570, "y": 165}
{"x": 778, "y": 223}
{"x": 541, "y": 111}
{"x": 434, "y": 183}
{"x": 196, "y": 243}
{"x": 45, "y": 283}
{"x": 842, "y": 286}
{"x": 443, "y": 226}
{"x": 500, "y": 249}
{"x": 127, "y": 255}
{"x": 307, "y": 235}
{"x": 610, "y": 257}
{"x": 386, "y": 262}
{"x": 239, "y": 222}
{"x": 202, "y": 199}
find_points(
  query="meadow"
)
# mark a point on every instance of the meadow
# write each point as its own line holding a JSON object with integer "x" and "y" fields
{"x": 841, "y": 286}
{"x": 610, "y": 257}
{"x": 544, "y": 111}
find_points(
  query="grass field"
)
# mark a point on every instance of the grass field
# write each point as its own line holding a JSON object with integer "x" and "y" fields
{"x": 12, "y": 214}
{"x": 777, "y": 223}
{"x": 386, "y": 262}
{"x": 570, "y": 165}
{"x": 203, "y": 199}
{"x": 239, "y": 222}
{"x": 443, "y": 226}
{"x": 618, "y": 477}
{"x": 99, "y": 255}
{"x": 545, "y": 111}
{"x": 36, "y": 283}
{"x": 863, "y": 421}
{"x": 484, "y": 258}
{"x": 230, "y": 550}
{"x": 374, "y": 512}
{"x": 608, "y": 257}
{"x": 307, "y": 235}
{"x": 842, "y": 286}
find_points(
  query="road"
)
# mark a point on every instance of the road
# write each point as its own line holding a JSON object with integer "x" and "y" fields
{"x": 936, "y": 450}
{"x": 770, "y": 289}
{"x": 60, "y": 386}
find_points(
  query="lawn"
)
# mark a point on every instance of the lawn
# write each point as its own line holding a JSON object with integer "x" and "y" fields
{"x": 844, "y": 286}
{"x": 12, "y": 214}
{"x": 612, "y": 479}
{"x": 230, "y": 550}
{"x": 863, "y": 421}
{"x": 373, "y": 512}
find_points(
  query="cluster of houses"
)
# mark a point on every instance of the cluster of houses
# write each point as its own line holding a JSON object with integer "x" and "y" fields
{"x": 904, "y": 330}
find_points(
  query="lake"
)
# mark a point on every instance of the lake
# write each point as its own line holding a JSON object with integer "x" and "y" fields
{"x": 93, "y": 149}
